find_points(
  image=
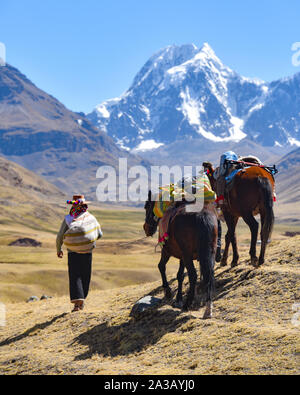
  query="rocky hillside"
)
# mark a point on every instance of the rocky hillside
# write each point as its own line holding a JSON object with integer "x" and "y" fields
{"x": 289, "y": 177}
{"x": 17, "y": 177}
{"x": 33, "y": 121}
{"x": 27, "y": 199}
{"x": 41, "y": 134}
{"x": 255, "y": 329}
{"x": 288, "y": 186}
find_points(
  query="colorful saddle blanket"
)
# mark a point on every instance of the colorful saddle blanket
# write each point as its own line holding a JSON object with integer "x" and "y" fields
{"x": 188, "y": 189}
{"x": 164, "y": 200}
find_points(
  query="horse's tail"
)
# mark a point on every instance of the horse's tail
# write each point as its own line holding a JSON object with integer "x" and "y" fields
{"x": 267, "y": 195}
{"x": 219, "y": 242}
{"x": 207, "y": 243}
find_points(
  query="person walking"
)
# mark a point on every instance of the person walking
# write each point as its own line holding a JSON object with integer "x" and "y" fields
{"x": 79, "y": 232}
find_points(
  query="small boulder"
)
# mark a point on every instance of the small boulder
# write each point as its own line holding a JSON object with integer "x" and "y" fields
{"x": 26, "y": 242}
{"x": 44, "y": 297}
{"x": 144, "y": 305}
{"x": 291, "y": 234}
{"x": 32, "y": 299}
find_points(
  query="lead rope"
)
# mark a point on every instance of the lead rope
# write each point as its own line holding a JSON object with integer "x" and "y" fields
{"x": 133, "y": 241}
{"x": 137, "y": 241}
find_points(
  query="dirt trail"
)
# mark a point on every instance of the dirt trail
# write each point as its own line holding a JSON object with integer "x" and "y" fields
{"x": 254, "y": 329}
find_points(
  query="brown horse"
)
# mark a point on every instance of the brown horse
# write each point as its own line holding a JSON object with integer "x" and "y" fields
{"x": 252, "y": 193}
{"x": 192, "y": 235}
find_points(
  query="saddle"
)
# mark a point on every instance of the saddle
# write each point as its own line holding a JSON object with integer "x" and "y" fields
{"x": 248, "y": 161}
{"x": 230, "y": 166}
{"x": 234, "y": 168}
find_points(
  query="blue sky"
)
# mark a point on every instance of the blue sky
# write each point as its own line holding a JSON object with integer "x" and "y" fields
{"x": 84, "y": 52}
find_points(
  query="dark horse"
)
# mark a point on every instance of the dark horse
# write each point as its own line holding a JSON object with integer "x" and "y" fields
{"x": 252, "y": 193}
{"x": 192, "y": 235}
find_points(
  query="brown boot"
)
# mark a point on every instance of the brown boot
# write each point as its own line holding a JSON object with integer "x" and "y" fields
{"x": 78, "y": 305}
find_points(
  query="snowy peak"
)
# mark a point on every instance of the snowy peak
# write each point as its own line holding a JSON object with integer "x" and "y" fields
{"x": 206, "y": 56}
{"x": 204, "y": 60}
{"x": 183, "y": 92}
{"x": 163, "y": 60}
{"x": 207, "y": 50}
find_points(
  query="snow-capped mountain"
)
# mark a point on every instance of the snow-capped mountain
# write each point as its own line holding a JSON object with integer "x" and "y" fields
{"x": 183, "y": 92}
{"x": 275, "y": 119}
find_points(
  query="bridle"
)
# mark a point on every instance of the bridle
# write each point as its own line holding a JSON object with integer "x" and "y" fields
{"x": 151, "y": 220}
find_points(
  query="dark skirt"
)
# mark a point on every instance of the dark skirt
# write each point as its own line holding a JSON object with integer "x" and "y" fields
{"x": 80, "y": 269}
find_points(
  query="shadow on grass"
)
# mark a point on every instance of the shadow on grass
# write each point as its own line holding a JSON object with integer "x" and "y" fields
{"x": 226, "y": 281}
{"x": 238, "y": 278}
{"x": 131, "y": 336}
{"x": 136, "y": 335}
{"x": 31, "y": 330}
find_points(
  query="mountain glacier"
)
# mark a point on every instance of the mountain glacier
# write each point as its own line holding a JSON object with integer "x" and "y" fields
{"x": 185, "y": 93}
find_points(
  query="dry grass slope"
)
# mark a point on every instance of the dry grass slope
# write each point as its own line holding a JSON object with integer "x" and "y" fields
{"x": 251, "y": 332}
{"x": 27, "y": 199}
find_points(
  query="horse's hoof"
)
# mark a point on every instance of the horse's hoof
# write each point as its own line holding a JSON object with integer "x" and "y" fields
{"x": 254, "y": 262}
{"x": 168, "y": 293}
{"x": 223, "y": 263}
{"x": 207, "y": 315}
{"x": 186, "y": 307}
{"x": 178, "y": 304}
{"x": 234, "y": 264}
{"x": 260, "y": 262}
{"x": 198, "y": 290}
{"x": 208, "y": 312}
{"x": 218, "y": 257}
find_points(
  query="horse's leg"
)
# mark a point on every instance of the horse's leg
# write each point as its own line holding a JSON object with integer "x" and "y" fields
{"x": 180, "y": 277}
{"x": 235, "y": 252}
{"x": 189, "y": 264}
{"x": 162, "y": 268}
{"x": 226, "y": 249}
{"x": 267, "y": 218}
{"x": 253, "y": 225}
{"x": 230, "y": 237}
{"x": 207, "y": 261}
{"x": 263, "y": 241}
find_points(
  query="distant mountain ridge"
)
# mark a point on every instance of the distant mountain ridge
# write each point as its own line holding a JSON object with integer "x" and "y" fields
{"x": 27, "y": 199}
{"x": 41, "y": 134}
{"x": 13, "y": 175}
{"x": 289, "y": 178}
{"x": 183, "y": 92}
{"x": 32, "y": 120}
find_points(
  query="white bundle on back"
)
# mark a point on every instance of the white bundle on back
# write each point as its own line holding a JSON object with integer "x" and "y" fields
{"x": 82, "y": 233}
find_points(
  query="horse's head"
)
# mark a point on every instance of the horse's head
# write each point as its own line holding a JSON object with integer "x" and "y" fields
{"x": 209, "y": 170}
{"x": 151, "y": 222}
